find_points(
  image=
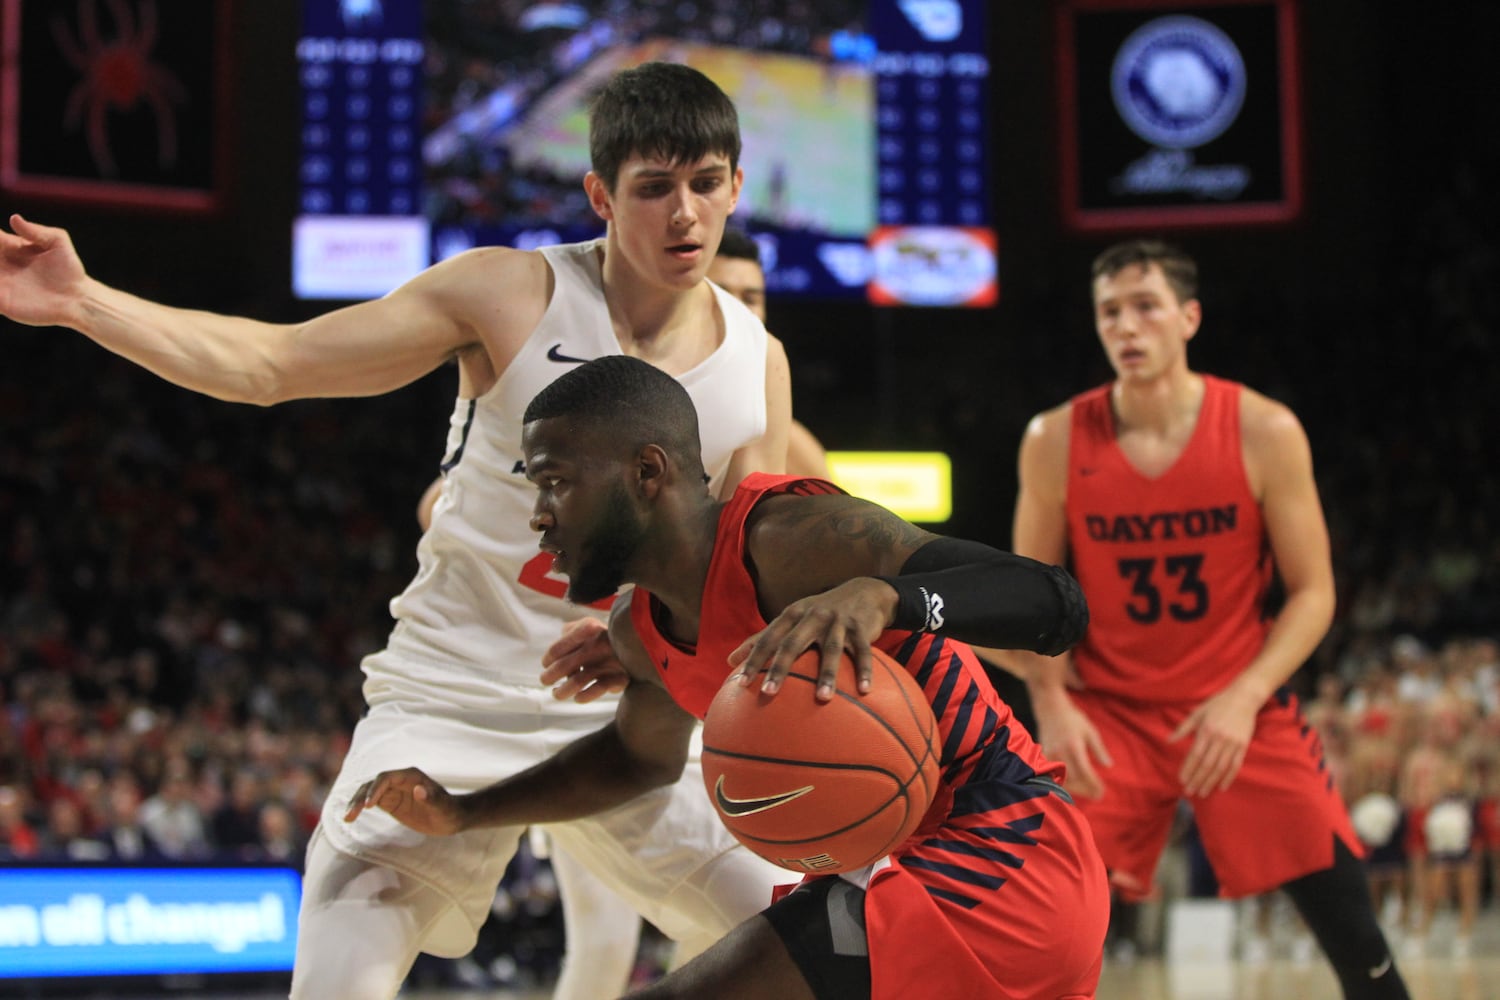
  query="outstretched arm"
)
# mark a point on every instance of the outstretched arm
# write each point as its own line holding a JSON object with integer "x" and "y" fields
{"x": 360, "y": 350}
{"x": 644, "y": 747}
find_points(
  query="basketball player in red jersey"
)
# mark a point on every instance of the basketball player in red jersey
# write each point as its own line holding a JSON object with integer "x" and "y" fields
{"x": 1177, "y": 495}
{"x": 999, "y": 894}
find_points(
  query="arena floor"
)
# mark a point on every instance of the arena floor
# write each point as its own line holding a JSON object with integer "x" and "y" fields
{"x": 1437, "y": 975}
{"x": 1431, "y": 978}
{"x": 1280, "y": 979}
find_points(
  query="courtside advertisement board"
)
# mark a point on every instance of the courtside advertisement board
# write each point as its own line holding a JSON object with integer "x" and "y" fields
{"x": 89, "y": 922}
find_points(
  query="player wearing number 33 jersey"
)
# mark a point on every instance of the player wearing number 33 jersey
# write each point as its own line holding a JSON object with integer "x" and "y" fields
{"x": 1177, "y": 572}
{"x": 1176, "y": 566}
{"x": 1177, "y": 499}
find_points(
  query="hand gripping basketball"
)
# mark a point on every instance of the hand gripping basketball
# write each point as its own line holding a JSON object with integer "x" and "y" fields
{"x": 817, "y": 786}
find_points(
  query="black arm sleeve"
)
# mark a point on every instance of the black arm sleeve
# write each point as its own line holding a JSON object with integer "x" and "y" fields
{"x": 982, "y": 595}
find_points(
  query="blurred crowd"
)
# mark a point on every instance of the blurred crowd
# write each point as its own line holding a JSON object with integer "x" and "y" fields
{"x": 1414, "y": 745}
{"x": 185, "y": 594}
{"x": 187, "y": 587}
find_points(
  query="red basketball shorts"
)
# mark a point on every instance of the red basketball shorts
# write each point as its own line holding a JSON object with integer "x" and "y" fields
{"x": 1275, "y": 823}
{"x": 1005, "y": 903}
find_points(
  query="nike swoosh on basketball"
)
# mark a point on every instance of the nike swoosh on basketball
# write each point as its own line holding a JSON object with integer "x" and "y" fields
{"x": 554, "y": 353}
{"x": 731, "y": 806}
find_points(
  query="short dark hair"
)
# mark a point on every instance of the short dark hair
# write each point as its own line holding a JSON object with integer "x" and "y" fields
{"x": 635, "y": 402}
{"x": 1180, "y": 270}
{"x": 740, "y": 245}
{"x": 664, "y": 110}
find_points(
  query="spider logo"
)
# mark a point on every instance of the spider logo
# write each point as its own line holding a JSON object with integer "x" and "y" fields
{"x": 118, "y": 74}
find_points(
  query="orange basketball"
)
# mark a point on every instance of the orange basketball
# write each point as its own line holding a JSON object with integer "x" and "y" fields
{"x": 822, "y": 786}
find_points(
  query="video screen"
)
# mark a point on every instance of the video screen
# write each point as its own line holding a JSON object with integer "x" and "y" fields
{"x": 432, "y": 126}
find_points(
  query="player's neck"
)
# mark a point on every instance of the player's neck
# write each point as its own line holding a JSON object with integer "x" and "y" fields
{"x": 1158, "y": 404}
{"x": 669, "y": 331}
{"x": 681, "y": 549}
{"x": 657, "y": 322}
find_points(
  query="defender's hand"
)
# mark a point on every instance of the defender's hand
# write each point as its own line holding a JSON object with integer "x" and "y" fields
{"x": 411, "y": 797}
{"x": 41, "y": 277}
{"x": 582, "y": 664}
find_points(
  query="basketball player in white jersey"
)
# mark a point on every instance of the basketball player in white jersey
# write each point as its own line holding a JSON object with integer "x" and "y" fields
{"x": 455, "y": 690}
{"x": 602, "y": 931}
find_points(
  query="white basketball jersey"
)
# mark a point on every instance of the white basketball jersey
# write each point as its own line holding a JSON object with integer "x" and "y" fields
{"x": 484, "y": 606}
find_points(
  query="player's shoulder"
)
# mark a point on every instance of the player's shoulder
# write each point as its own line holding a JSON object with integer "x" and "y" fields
{"x": 739, "y": 321}
{"x": 484, "y": 272}
{"x": 1267, "y": 420}
{"x": 497, "y": 295}
{"x": 1049, "y": 427}
{"x": 1274, "y": 445}
{"x": 484, "y": 258}
{"x": 783, "y": 522}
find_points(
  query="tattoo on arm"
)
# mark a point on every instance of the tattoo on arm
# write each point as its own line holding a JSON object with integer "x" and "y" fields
{"x": 861, "y": 521}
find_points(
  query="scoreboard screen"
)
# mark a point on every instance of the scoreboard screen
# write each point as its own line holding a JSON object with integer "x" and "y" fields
{"x": 433, "y": 126}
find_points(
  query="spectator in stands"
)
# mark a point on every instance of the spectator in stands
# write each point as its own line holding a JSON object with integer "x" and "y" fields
{"x": 126, "y": 838}
{"x": 236, "y": 825}
{"x": 17, "y": 837}
{"x": 64, "y": 837}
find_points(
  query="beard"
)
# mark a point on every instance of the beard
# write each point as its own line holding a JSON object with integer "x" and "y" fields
{"x": 609, "y": 547}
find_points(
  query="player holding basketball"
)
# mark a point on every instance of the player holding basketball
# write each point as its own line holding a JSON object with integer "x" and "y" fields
{"x": 1001, "y": 892}
{"x": 456, "y": 688}
{"x": 1172, "y": 492}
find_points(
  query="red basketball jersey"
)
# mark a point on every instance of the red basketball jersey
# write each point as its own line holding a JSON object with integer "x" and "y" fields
{"x": 968, "y": 710}
{"x": 1176, "y": 568}
{"x": 1000, "y": 892}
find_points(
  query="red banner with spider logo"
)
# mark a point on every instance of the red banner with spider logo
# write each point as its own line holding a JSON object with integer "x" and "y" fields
{"x": 114, "y": 102}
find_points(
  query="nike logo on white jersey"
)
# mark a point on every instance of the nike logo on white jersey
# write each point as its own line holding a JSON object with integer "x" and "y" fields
{"x": 554, "y": 353}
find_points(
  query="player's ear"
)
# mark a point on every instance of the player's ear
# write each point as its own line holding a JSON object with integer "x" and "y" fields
{"x": 599, "y": 196}
{"x": 651, "y": 470}
{"x": 1193, "y": 310}
{"x": 738, "y": 183}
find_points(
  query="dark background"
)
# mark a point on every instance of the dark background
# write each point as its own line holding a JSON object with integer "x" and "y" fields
{"x": 1374, "y": 316}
